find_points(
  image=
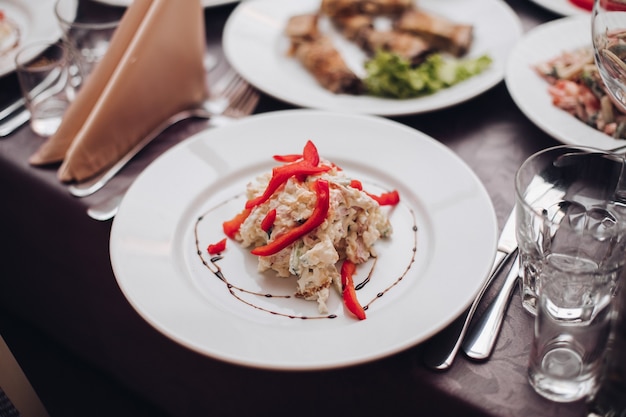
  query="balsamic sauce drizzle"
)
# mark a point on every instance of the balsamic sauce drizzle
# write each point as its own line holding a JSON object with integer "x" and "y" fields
{"x": 235, "y": 291}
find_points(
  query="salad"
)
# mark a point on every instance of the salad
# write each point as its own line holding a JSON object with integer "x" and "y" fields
{"x": 575, "y": 86}
{"x": 310, "y": 220}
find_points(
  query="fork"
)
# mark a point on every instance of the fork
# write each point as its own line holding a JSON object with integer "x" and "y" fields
{"x": 241, "y": 106}
{"x": 234, "y": 98}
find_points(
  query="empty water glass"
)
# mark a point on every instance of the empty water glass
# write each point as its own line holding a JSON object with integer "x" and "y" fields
{"x": 87, "y": 31}
{"x": 571, "y": 232}
{"x": 571, "y": 329}
{"x": 581, "y": 188}
{"x": 43, "y": 71}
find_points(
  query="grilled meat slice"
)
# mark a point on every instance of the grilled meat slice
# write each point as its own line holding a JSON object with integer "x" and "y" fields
{"x": 439, "y": 32}
{"x": 337, "y": 8}
{"x": 353, "y": 26}
{"x": 302, "y": 28}
{"x": 406, "y": 45}
{"x": 325, "y": 63}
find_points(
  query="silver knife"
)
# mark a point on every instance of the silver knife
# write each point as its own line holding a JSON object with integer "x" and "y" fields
{"x": 9, "y": 125}
{"x": 479, "y": 342}
{"x": 106, "y": 209}
{"x": 482, "y": 337}
{"x": 12, "y": 108}
{"x": 441, "y": 357}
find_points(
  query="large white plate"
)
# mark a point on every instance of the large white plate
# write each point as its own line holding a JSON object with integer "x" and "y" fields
{"x": 36, "y": 22}
{"x": 256, "y": 47}
{"x": 155, "y": 259}
{"x": 205, "y": 3}
{"x": 530, "y": 92}
{"x": 561, "y": 7}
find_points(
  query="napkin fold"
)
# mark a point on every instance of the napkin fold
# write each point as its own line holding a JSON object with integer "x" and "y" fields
{"x": 153, "y": 68}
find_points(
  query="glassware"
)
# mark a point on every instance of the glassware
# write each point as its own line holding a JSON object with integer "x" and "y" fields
{"x": 608, "y": 33}
{"x": 43, "y": 71}
{"x": 87, "y": 31}
{"x": 610, "y": 400}
{"x": 571, "y": 233}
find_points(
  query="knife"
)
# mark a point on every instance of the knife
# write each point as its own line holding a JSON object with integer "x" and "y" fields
{"x": 482, "y": 337}
{"x": 9, "y": 125}
{"x": 440, "y": 354}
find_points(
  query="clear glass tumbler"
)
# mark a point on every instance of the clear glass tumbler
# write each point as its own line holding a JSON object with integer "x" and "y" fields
{"x": 43, "y": 71}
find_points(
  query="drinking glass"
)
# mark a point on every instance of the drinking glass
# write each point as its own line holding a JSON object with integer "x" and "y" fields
{"x": 608, "y": 34}
{"x": 571, "y": 233}
{"x": 570, "y": 213}
{"x": 87, "y": 27}
{"x": 43, "y": 71}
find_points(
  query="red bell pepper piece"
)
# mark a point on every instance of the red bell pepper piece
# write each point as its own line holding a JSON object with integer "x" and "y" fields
{"x": 268, "y": 220}
{"x": 287, "y": 158}
{"x": 584, "y": 4}
{"x": 322, "y": 189}
{"x": 231, "y": 227}
{"x": 356, "y": 184}
{"x": 348, "y": 268}
{"x": 280, "y": 175}
{"x": 607, "y": 4}
{"x": 386, "y": 199}
{"x": 216, "y": 248}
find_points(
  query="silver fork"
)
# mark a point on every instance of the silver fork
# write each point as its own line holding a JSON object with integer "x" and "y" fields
{"x": 243, "y": 105}
{"x": 233, "y": 98}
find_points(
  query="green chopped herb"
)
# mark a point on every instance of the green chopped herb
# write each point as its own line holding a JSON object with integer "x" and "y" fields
{"x": 389, "y": 75}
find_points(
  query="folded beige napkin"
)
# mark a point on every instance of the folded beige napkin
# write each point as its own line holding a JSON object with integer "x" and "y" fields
{"x": 152, "y": 69}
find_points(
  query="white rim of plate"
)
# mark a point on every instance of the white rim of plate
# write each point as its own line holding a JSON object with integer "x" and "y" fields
{"x": 154, "y": 221}
{"x": 255, "y": 47}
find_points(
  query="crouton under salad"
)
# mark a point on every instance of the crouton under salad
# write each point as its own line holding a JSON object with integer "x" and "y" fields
{"x": 306, "y": 218}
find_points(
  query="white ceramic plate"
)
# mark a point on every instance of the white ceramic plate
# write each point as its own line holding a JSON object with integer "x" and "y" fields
{"x": 530, "y": 92}
{"x": 205, "y": 3}
{"x": 256, "y": 47}
{"x": 561, "y": 7}
{"x": 155, "y": 259}
{"x": 36, "y": 22}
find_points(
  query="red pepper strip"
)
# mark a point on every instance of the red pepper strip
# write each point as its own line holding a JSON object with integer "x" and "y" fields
{"x": 231, "y": 227}
{"x": 310, "y": 154}
{"x": 356, "y": 184}
{"x": 287, "y": 158}
{"x": 607, "y": 4}
{"x": 348, "y": 268}
{"x": 584, "y": 4}
{"x": 216, "y": 248}
{"x": 318, "y": 216}
{"x": 268, "y": 220}
{"x": 386, "y": 199}
{"x": 281, "y": 174}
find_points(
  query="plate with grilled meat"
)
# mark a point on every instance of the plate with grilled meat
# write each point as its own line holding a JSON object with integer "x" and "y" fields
{"x": 319, "y": 53}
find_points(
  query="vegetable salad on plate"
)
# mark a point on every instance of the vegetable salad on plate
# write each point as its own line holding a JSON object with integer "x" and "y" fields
{"x": 575, "y": 86}
{"x": 308, "y": 219}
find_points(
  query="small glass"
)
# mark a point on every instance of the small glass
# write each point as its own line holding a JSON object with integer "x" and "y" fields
{"x": 570, "y": 207}
{"x": 43, "y": 71}
{"x": 571, "y": 330}
{"x": 571, "y": 234}
{"x": 87, "y": 31}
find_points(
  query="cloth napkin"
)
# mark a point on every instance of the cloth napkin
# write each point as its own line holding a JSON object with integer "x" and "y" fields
{"x": 152, "y": 69}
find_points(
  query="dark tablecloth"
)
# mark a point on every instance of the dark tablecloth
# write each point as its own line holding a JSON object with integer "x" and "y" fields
{"x": 56, "y": 277}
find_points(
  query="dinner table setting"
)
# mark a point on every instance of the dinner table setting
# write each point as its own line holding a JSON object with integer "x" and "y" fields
{"x": 148, "y": 149}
